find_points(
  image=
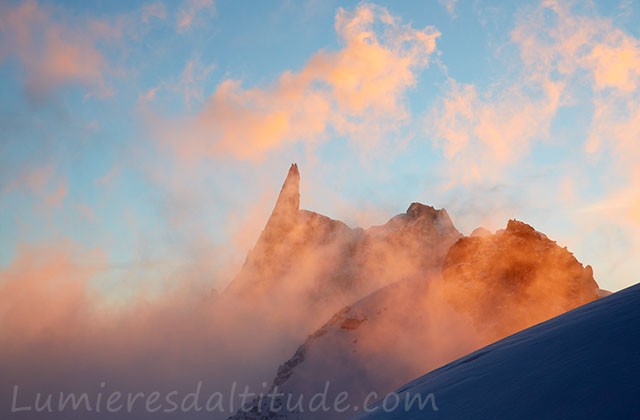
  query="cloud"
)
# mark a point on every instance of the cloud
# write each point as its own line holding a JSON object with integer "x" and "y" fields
{"x": 192, "y": 12}
{"x": 562, "y": 53}
{"x": 190, "y": 84}
{"x": 576, "y": 43}
{"x": 52, "y": 53}
{"x": 450, "y": 6}
{"x": 49, "y": 299}
{"x": 46, "y": 278}
{"x": 55, "y": 48}
{"x": 41, "y": 182}
{"x": 356, "y": 90}
{"x": 55, "y": 198}
{"x": 616, "y": 63}
{"x": 591, "y": 49}
{"x": 155, "y": 10}
{"x": 497, "y": 126}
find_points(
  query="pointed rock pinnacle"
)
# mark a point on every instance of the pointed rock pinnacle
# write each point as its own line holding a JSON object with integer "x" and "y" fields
{"x": 289, "y": 199}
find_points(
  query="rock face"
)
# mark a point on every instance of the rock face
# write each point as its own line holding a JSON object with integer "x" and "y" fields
{"x": 518, "y": 275}
{"x": 316, "y": 265}
{"x": 490, "y": 286}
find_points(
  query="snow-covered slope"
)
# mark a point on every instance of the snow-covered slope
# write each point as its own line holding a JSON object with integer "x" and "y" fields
{"x": 582, "y": 364}
{"x": 418, "y": 324}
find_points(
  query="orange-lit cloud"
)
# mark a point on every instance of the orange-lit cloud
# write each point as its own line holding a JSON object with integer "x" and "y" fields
{"x": 192, "y": 12}
{"x": 484, "y": 131}
{"x": 587, "y": 49}
{"x": 594, "y": 50}
{"x": 616, "y": 63}
{"x": 40, "y": 182}
{"x": 450, "y": 6}
{"x": 556, "y": 38}
{"x": 356, "y": 90}
{"x": 51, "y": 53}
{"x": 476, "y": 128}
{"x": 44, "y": 291}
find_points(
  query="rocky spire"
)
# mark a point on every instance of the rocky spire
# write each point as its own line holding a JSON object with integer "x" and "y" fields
{"x": 288, "y": 202}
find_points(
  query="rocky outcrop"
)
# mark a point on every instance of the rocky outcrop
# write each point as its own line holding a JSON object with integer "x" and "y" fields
{"x": 514, "y": 279}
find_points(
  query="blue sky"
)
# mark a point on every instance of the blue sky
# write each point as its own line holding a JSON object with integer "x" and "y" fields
{"x": 157, "y": 134}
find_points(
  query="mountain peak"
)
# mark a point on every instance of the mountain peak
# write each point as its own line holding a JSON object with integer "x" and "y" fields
{"x": 523, "y": 230}
{"x": 288, "y": 202}
{"x": 515, "y": 266}
{"x": 419, "y": 211}
{"x": 480, "y": 232}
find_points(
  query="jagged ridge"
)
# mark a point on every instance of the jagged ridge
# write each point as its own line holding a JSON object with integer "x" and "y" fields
{"x": 323, "y": 264}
